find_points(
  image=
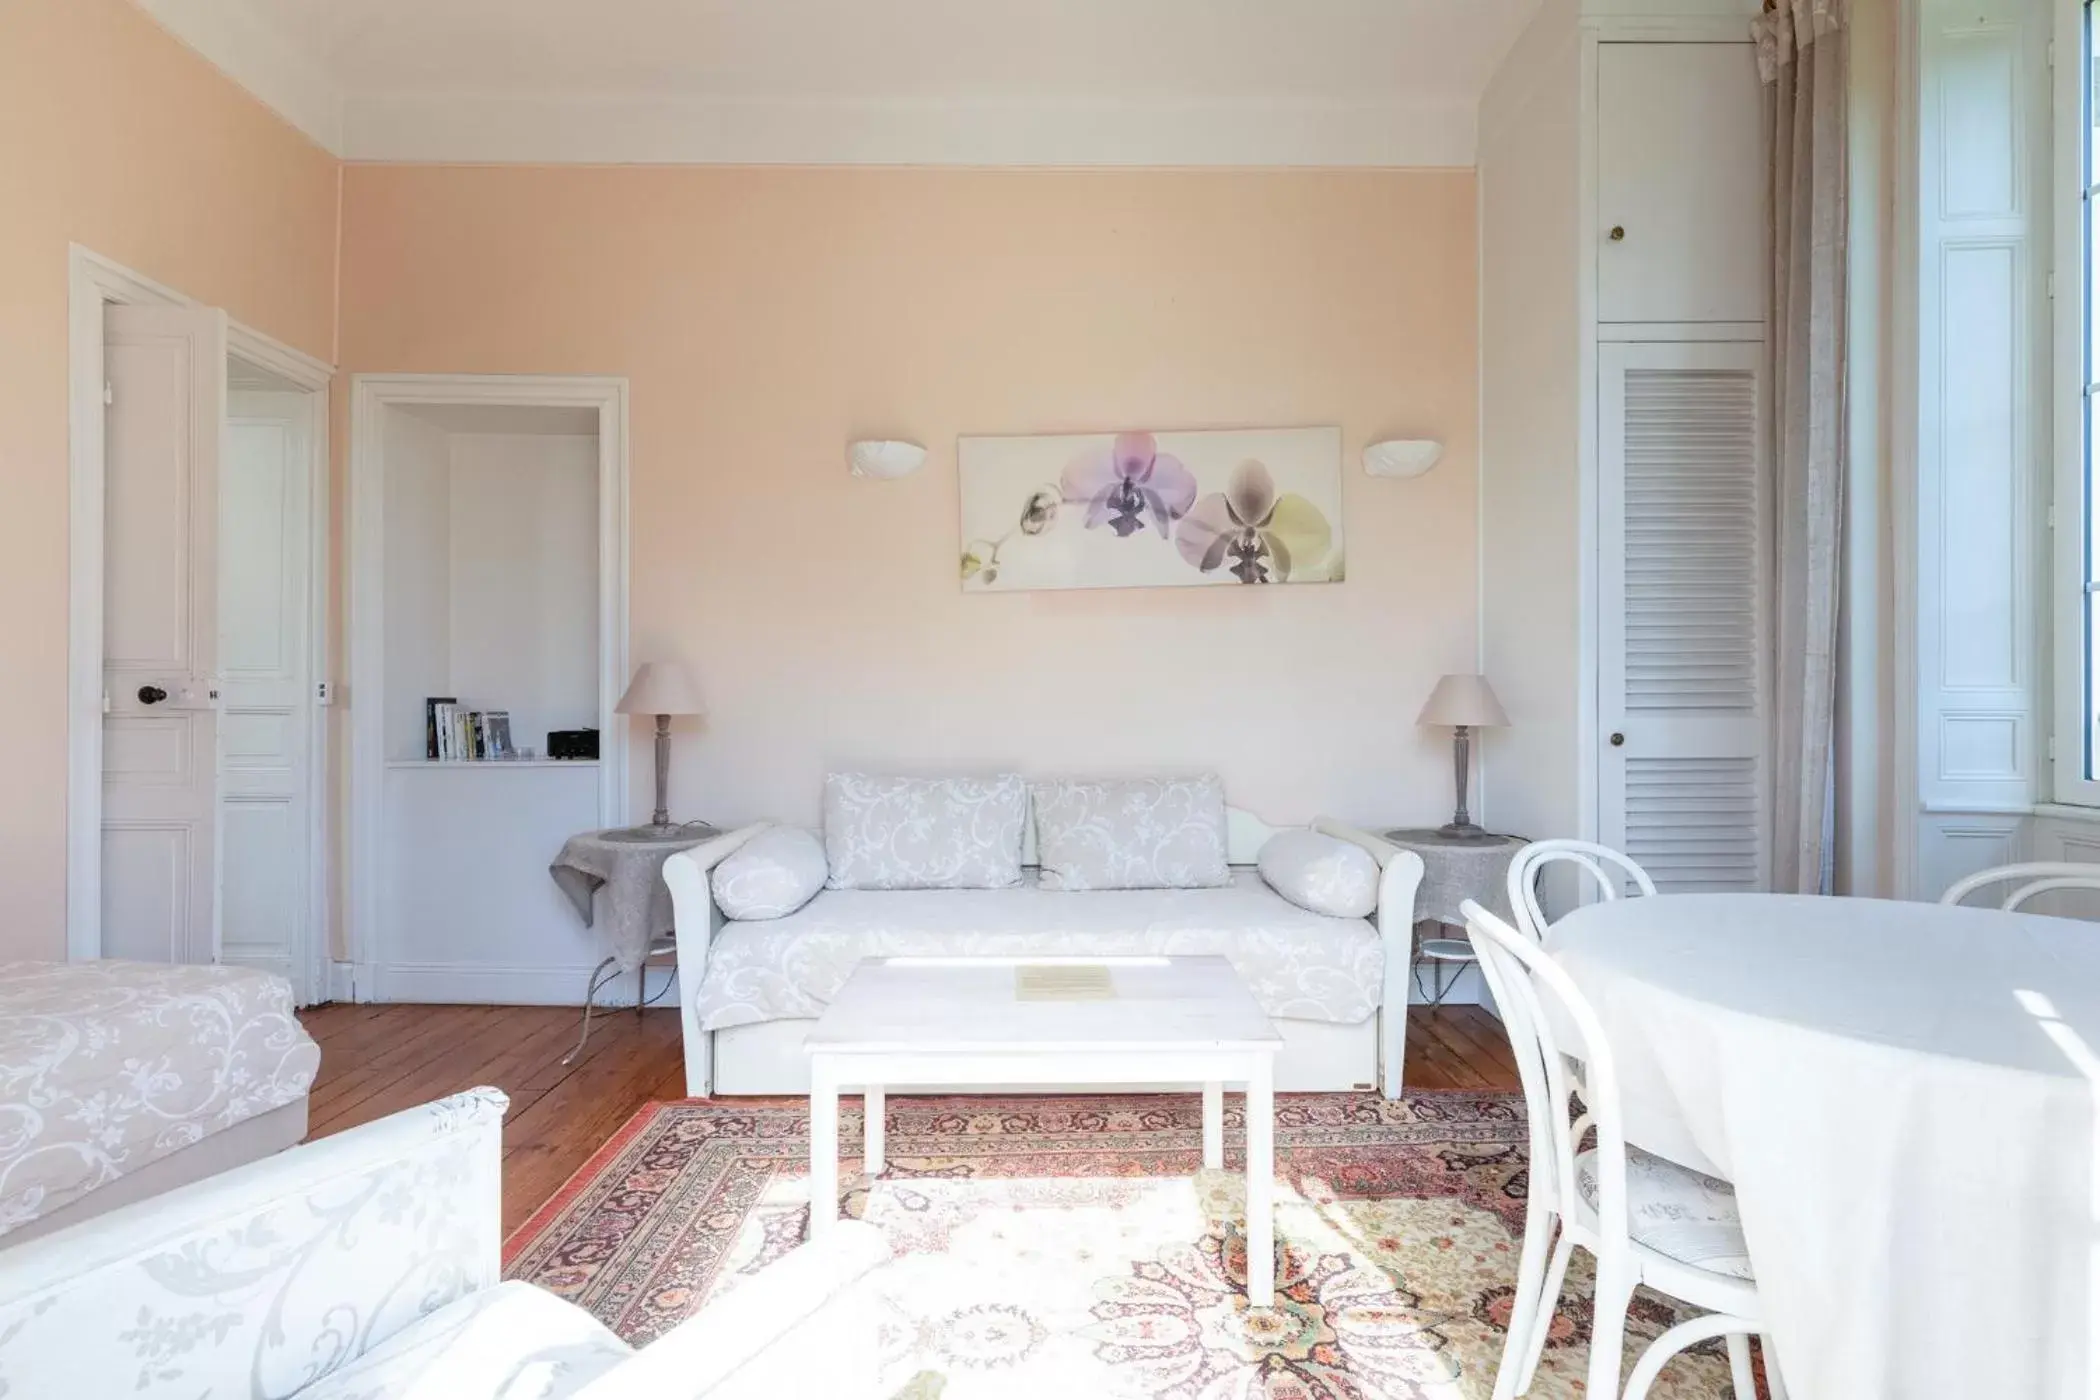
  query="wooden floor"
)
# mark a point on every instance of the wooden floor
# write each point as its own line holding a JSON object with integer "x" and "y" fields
{"x": 378, "y": 1059}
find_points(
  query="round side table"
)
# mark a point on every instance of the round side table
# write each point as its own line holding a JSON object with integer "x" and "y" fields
{"x": 1453, "y": 872}
{"x": 627, "y": 866}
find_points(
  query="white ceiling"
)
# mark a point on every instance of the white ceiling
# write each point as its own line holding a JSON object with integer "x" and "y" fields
{"x": 1086, "y": 82}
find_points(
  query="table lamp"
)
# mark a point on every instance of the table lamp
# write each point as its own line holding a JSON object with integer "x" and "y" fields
{"x": 663, "y": 689}
{"x": 1466, "y": 703}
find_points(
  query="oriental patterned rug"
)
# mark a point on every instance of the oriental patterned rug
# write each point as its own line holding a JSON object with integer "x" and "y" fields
{"x": 1073, "y": 1246}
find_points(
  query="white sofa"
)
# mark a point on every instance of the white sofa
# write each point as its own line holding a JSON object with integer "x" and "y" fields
{"x": 366, "y": 1265}
{"x": 1337, "y": 989}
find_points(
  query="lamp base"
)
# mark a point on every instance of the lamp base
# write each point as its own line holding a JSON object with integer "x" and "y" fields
{"x": 1466, "y": 831}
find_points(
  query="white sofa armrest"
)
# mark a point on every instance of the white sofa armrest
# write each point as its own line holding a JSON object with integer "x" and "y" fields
{"x": 1399, "y": 876}
{"x": 704, "y": 1350}
{"x": 263, "y": 1279}
{"x": 695, "y": 917}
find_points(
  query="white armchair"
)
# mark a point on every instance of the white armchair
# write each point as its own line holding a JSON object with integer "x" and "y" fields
{"x": 363, "y": 1265}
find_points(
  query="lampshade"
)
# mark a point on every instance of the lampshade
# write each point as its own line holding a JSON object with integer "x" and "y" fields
{"x": 1466, "y": 700}
{"x": 661, "y": 688}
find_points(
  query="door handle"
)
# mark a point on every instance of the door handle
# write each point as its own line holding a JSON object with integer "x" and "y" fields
{"x": 1618, "y": 233}
{"x": 1618, "y": 741}
{"x": 151, "y": 695}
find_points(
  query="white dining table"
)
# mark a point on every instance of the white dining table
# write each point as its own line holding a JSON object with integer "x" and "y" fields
{"x": 1904, "y": 1096}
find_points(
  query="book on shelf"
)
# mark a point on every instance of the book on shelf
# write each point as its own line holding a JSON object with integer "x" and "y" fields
{"x": 454, "y": 735}
{"x": 432, "y": 748}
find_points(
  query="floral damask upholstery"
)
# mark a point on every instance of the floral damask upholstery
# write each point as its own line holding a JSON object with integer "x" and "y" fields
{"x": 886, "y": 833}
{"x": 364, "y": 1266}
{"x": 269, "y": 1278}
{"x": 1132, "y": 834}
{"x": 109, "y": 1066}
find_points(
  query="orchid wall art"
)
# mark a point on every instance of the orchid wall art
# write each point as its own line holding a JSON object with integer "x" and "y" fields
{"x": 1142, "y": 510}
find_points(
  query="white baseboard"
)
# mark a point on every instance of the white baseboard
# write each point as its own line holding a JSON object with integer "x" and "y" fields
{"x": 343, "y": 981}
{"x": 480, "y": 984}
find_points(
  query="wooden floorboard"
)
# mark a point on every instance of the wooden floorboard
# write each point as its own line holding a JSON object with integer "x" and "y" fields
{"x": 377, "y": 1060}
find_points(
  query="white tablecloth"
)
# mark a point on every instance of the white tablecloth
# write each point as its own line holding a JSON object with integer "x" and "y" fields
{"x": 1904, "y": 1096}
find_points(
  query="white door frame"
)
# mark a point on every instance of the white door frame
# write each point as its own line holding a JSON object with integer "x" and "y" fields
{"x": 93, "y": 281}
{"x": 370, "y": 396}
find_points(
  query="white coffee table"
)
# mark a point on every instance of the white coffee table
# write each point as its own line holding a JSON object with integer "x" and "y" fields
{"x": 901, "y": 1022}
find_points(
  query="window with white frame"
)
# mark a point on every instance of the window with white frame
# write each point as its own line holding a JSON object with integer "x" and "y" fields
{"x": 2076, "y": 516}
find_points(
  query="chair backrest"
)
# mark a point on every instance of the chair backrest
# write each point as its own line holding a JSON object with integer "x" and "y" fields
{"x": 2028, "y": 879}
{"x": 1611, "y": 872}
{"x": 1547, "y": 1016}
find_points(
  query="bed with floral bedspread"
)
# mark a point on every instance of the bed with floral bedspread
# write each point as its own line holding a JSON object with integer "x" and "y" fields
{"x": 108, "y": 1067}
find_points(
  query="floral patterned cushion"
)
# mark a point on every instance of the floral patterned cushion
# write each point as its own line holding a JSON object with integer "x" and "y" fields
{"x": 772, "y": 875}
{"x": 1133, "y": 834}
{"x": 1320, "y": 873}
{"x": 1677, "y": 1212}
{"x": 883, "y": 833}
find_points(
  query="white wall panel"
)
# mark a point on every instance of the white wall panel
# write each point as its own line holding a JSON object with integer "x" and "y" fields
{"x": 467, "y": 910}
{"x": 523, "y": 579}
{"x": 1977, "y": 80}
{"x": 1952, "y": 847}
{"x": 417, "y": 539}
{"x": 1532, "y": 508}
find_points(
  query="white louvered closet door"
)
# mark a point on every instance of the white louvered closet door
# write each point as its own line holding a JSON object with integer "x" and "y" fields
{"x": 1684, "y": 546}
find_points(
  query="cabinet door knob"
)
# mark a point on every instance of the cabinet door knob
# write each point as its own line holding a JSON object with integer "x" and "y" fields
{"x": 1618, "y": 741}
{"x": 151, "y": 695}
{"x": 1618, "y": 233}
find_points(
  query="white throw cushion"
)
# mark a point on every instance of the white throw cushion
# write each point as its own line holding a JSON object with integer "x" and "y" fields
{"x": 923, "y": 833}
{"x": 1132, "y": 834}
{"x": 772, "y": 875}
{"x": 1321, "y": 873}
{"x": 1677, "y": 1212}
{"x": 510, "y": 1342}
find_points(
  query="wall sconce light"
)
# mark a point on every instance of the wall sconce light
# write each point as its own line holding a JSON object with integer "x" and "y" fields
{"x": 1401, "y": 457}
{"x": 884, "y": 460}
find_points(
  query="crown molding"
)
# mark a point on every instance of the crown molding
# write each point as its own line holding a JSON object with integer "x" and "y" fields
{"x": 670, "y": 130}
{"x": 271, "y": 68}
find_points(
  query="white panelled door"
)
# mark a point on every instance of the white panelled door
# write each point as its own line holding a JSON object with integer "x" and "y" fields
{"x": 166, "y": 369}
{"x": 1684, "y": 545}
{"x": 265, "y": 683}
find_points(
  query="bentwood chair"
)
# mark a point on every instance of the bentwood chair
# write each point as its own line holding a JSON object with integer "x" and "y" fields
{"x": 1647, "y": 1220}
{"x": 2028, "y": 879}
{"x": 1611, "y": 872}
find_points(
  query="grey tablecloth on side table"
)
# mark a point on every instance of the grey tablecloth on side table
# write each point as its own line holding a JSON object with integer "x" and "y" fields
{"x": 1456, "y": 871}
{"x": 637, "y": 903}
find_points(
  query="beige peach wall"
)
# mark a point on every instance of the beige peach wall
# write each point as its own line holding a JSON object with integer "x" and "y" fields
{"x": 114, "y": 136}
{"x": 766, "y": 317}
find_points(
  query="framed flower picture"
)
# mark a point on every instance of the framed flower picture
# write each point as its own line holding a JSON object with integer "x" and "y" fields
{"x": 1151, "y": 509}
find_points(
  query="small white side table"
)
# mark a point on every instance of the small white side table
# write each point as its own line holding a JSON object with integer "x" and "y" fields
{"x": 1452, "y": 873}
{"x": 1049, "y": 1021}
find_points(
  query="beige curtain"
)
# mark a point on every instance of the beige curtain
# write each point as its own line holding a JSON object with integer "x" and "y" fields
{"x": 1801, "y": 54}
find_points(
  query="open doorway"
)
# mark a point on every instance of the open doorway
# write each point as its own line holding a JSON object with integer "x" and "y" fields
{"x": 196, "y": 822}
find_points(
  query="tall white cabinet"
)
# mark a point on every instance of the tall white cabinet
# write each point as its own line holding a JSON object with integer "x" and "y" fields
{"x": 1626, "y": 512}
